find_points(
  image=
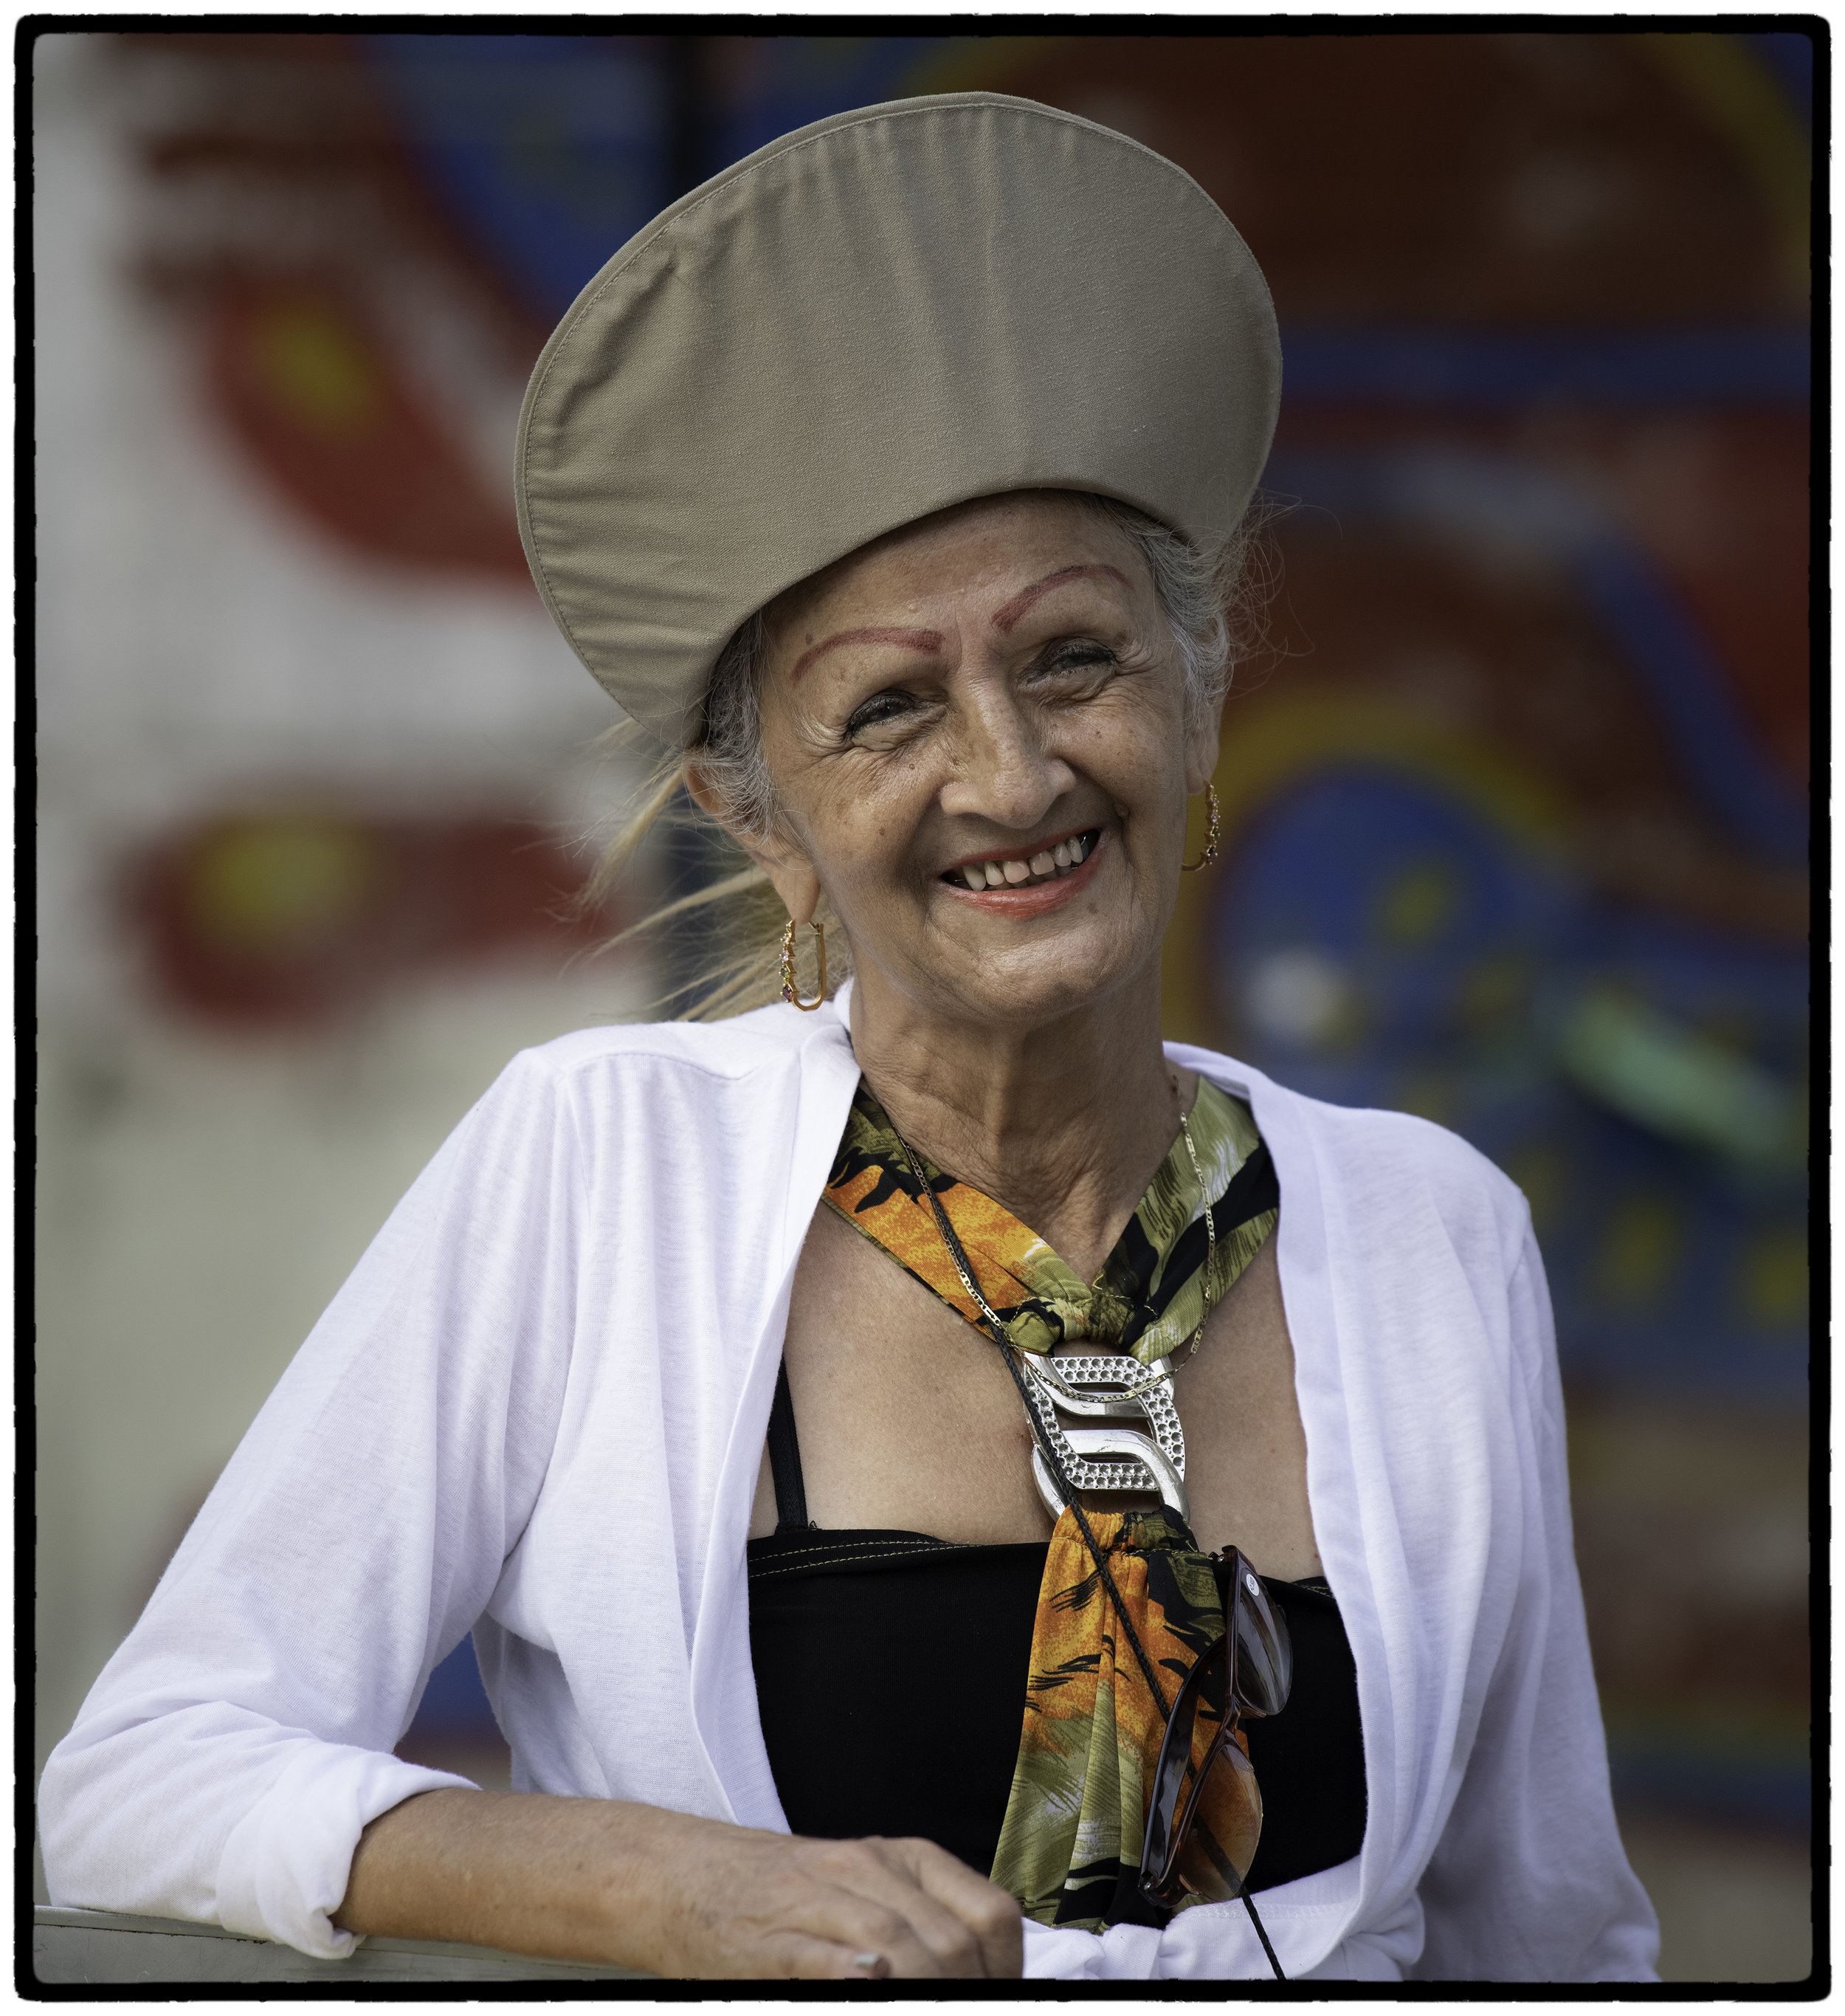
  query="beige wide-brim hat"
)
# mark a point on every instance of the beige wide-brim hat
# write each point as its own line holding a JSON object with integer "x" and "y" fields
{"x": 886, "y": 313}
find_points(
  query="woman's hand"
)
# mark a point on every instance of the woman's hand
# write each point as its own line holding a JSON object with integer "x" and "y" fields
{"x": 762, "y": 1906}
{"x": 635, "y": 1886}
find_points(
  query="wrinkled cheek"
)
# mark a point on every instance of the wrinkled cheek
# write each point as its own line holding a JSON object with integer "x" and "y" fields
{"x": 881, "y": 920}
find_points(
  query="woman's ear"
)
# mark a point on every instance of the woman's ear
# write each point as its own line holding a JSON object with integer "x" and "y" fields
{"x": 1201, "y": 746}
{"x": 778, "y": 859}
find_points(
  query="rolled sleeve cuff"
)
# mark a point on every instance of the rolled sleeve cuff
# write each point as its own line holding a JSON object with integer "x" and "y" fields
{"x": 287, "y": 1862}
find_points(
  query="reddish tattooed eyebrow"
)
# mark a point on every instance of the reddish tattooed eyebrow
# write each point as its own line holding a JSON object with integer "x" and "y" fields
{"x": 1009, "y": 616}
{"x": 910, "y": 640}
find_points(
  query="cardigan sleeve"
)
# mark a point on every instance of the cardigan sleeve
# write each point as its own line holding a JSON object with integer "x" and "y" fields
{"x": 230, "y": 1754}
{"x": 1529, "y": 1881}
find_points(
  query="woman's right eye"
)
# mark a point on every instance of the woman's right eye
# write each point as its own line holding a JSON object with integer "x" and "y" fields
{"x": 878, "y": 712}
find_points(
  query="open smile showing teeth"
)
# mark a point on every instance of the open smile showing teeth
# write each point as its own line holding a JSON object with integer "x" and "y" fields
{"x": 1045, "y": 867}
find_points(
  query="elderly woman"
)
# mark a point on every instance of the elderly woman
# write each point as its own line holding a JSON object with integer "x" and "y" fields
{"x": 940, "y": 1484}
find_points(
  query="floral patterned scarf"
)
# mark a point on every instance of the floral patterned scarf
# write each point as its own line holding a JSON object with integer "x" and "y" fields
{"x": 1069, "y": 1848}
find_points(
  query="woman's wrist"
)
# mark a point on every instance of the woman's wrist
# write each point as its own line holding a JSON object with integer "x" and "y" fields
{"x": 567, "y": 1878}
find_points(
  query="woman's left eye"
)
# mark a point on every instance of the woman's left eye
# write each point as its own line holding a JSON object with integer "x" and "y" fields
{"x": 1074, "y": 658}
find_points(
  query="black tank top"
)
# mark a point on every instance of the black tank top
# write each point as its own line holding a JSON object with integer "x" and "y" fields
{"x": 889, "y": 1678}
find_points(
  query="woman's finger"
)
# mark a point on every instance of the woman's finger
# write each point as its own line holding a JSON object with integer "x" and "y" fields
{"x": 817, "y": 1931}
{"x": 991, "y": 1914}
{"x": 777, "y": 1908}
{"x": 967, "y": 1924}
{"x": 881, "y": 1918}
{"x": 797, "y": 1956}
{"x": 949, "y": 1941}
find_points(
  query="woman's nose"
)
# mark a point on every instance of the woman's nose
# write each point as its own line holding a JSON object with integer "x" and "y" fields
{"x": 1003, "y": 772}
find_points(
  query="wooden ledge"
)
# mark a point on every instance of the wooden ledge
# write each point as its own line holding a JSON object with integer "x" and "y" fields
{"x": 73, "y": 1946}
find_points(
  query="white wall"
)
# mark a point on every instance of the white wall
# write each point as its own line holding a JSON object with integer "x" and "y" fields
{"x": 200, "y": 1198}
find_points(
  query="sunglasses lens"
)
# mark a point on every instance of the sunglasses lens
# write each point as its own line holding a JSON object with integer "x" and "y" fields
{"x": 1264, "y": 1652}
{"x": 1221, "y": 1843}
{"x": 1206, "y": 1816}
{"x": 1201, "y": 1837}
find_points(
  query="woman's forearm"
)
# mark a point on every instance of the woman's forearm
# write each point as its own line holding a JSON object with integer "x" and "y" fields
{"x": 573, "y": 1879}
{"x": 634, "y": 1886}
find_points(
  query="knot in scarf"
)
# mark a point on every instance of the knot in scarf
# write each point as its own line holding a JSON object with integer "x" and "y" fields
{"x": 1151, "y": 1291}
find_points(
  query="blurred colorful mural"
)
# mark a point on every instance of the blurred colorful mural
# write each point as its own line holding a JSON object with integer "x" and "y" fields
{"x": 1516, "y": 800}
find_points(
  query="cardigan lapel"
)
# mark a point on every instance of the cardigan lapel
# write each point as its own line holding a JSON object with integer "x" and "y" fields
{"x": 1304, "y": 1264}
{"x": 724, "y": 1707}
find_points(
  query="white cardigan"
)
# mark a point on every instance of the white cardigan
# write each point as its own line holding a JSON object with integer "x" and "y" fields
{"x": 537, "y": 1409}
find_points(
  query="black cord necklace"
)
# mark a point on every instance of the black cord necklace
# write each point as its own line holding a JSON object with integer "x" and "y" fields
{"x": 996, "y": 1331}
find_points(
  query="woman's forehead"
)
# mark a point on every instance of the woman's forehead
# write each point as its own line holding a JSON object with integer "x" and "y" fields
{"x": 998, "y": 546}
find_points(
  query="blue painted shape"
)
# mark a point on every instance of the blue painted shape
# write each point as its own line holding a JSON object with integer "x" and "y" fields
{"x": 1746, "y": 364}
{"x": 1692, "y": 1335}
{"x": 550, "y": 151}
{"x": 1498, "y": 505}
{"x": 1314, "y": 875}
{"x": 780, "y": 82}
{"x": 454, "y": 1706}
{"x": 1330, "y": 852}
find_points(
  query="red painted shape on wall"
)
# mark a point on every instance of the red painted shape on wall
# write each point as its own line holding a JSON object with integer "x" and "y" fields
{"x": 312, "y": 390}
{"x": 284, "y": 920}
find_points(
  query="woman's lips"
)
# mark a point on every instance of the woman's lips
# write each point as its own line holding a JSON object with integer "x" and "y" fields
{"x": 1035, "y": 898}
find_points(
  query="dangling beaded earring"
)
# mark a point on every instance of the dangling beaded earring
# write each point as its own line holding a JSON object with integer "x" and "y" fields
{"x": 1210, "y": 837}
{"x": 790, "y": 988}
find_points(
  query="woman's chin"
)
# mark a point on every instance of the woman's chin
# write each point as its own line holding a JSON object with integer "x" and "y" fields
{"x": 1043, "y": 978}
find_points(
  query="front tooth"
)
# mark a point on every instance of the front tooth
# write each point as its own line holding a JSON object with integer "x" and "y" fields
{"x": 1041, "y": 864}
{"x": 995, "y": 877}
{"x": 975, "y": 878}
{"x": 1060, "y": 854}
{"x": 1016, "y": 871}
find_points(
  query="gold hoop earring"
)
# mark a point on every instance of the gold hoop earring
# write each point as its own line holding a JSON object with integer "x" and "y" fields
{"x": 790, "y": 988}
{"x": 1212, "y": 834}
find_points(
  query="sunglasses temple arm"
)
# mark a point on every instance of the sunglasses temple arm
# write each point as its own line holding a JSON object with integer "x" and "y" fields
{"x": 1181, "y": 1818}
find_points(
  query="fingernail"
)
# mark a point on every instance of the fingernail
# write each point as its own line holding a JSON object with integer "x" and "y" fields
{"x": 871, "y": 1963}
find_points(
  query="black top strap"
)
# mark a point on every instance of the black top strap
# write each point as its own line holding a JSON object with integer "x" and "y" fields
{"x": 784, "y": 1455}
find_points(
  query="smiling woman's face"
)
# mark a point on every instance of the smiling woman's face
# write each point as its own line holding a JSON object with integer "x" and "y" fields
{"x": 993, "y": 695}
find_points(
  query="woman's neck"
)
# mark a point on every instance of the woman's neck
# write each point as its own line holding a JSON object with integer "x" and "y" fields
{"x": 1064, "y": 1124}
